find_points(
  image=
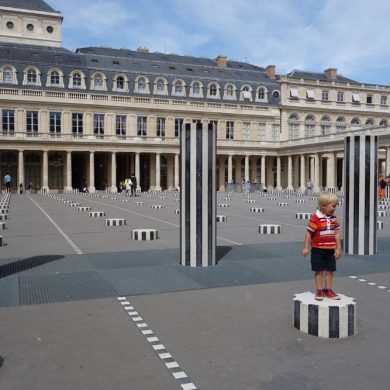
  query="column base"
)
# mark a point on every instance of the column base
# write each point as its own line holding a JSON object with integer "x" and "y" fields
{"x": 68, "y": 188}
{"x": 222, "y": 188}
{"x": 92, "y": 190}
{"x": 113, "y": 189}
{"x": 278, "y": 188}
{"x": 290, "y": 188}
{"x": 44, "y": 190}
{"x": 157, "y": 188}
{"x": 302, "y": 189}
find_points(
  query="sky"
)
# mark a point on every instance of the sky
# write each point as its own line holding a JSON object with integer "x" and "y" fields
{"x": 313, "y": 35}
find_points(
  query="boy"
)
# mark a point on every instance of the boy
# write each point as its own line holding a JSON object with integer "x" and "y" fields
{"x": 323, "y": 232}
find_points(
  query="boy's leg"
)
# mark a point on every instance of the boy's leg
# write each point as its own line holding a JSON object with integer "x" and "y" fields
{"x": 319, "y": 280}
{"x": 328, "y": 280}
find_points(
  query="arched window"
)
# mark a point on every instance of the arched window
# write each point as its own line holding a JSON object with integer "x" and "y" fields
{"x": 355, "y": 123}
{"x": 31, "y": 77}
{"x": 196, "y": 88}
{"x": 8, "y": 75}
{"x": 261, "y": 94}
{"x": 178, "y": 88}
{"x": 141, "y": 85}
{"x": 98, "y": 82}
{"x": 160, "y": 87}
{"x": 229, "y": 91}
{"x": 293, "y": 126}
{"x": 276, "y": 94}
{"x": 310, "y": 126}
{"x": 120, "y": 83}
{"x": 246, "y": 93}
{"x": 340, "y": 124}
{"x": 383, "y": 122}
{"x": 369, "y": 122}
{"x": 55, "y": 79}
{"x": 213, "y": 90}
{"x": 325, "y": 125}
{"x": 77, "y": 80}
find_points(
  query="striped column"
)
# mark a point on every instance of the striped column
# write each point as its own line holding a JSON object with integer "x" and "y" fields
{"x": 360, "y": 189}
{"x": 198, "y": 195}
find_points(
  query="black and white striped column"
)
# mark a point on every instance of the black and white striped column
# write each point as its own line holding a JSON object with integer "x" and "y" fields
{"x": 198, "y": 195}
{"x": 360, "y": 210}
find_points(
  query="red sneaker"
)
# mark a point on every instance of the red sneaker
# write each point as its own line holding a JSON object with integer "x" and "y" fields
{"x": 329, "y": 293}
{"x": 319, "y": 295}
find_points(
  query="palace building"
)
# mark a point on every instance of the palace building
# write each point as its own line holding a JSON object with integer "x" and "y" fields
{"x": 100, "y": 114}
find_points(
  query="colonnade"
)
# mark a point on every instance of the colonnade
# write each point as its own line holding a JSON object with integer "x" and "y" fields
{"x": 272, "y": 171}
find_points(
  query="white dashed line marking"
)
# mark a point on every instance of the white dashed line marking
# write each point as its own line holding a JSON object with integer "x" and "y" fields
{"x": 369, "y": 283}
{"x": 172, "y": 366}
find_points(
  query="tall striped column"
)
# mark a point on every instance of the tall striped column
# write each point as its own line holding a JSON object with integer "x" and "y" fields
{"x": 198, "y": 195}
{"x": 360, "y": 194}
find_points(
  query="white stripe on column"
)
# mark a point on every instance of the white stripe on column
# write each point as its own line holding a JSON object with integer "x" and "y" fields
{"x": 373, "y": 179}
{"x": 362, "y": 192}
{"x": 205, "y": 191}
{"x": 304, "y": 318}
{"x": 183, "y": 153}
{"x": 323, "y": 321}
{"x": 193, "y": 201}
{"x": 343, "y": 321}
{"x": 351, "y": 191}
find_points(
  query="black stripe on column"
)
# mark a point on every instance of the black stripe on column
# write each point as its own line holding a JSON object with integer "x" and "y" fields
{"x": 374, "y": 183}
{"x": 186, "y": 173}
{"x": 351, "y": 320}
{"x": 297, "y": 314}
{"x": 334, "y": 322}
{"x": 210, "y": 170}
{"x": 313, "y": 320}
{"x": 367, "y": 190}
{"x": 356, "y": 195}
{"x": 199, "y": 195}
{"x": 347, "y": 168}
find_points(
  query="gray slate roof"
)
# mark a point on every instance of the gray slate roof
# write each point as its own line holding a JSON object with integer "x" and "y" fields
{"x": 135, "y": 63}
{"x": 34, "y": 5}
{"x": 300, "y": 74}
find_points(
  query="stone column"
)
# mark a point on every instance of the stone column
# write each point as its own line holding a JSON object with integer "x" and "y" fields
{"x": 289, "y": 173}
{"x": 221, "y": 179}
{"x": 21, "y": 171}
{"x": 238, "y": 169}
{"x": 360, "y": 209}
{"x": 278, "y": 174}
{"x": 198, "y": 195}
{"x": 177, "y": 184}
{"x": 230, "y": 168}
{"x": 302, "y": 186}
{"x": 114, "y": 188}
{"x": 137, "y": 171}
{"x": 91, "y": 187}
{"x": 45, "y": 171}
{"x": 170, "y": 172}
{"x": 158, "y": 172}
{"x": 246, "y": 178}
{"x": 68, "y": 184}
{"x": 317, "y": 173}
{"x": 262, "y": 178}
{"x": 330, "y": 173}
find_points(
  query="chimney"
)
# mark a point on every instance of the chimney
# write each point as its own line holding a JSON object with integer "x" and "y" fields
{"x": 270, "y": 70}
{"x": 221, "y": 61}
{"x": 143, "y": 49}
{"x": 331, "y": 73}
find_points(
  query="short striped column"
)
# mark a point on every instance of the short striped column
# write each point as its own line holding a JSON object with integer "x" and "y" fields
{"x": 360, "y": 186}
{"x": 115, "y": 222}
{"x": 144, "y": 234}
{"x": 269, "y": 229}
{"x": 198, "y": 195}
{"x": 303, "y": 215}
{"x": 221, "y": 218}
{"x": 328, "y": 318}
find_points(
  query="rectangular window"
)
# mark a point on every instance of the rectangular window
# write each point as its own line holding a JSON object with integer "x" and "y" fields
{"x": 310, "y": 93}
{"x": 293, "y": 131}
{"x": 98, "y": 125}
{"x": 141, "y": 126}
{"x": 383, "y": 100}
{"x": 178, "y": 126}
{"x": 32, "y": 123}
{"x": 340, "y": 96}
{"x": 55, "y": 124}
{"x": 294, "y": 93}
{"x": 275, "y": 133}
{"x": 355, "y": 98}
{"x": 369, "y": 99}
{"x": 160, "y": 127}
{"x": 246, "y": 130}
{"x": 261, "y": 131}
{"x": 77, "y": 124}
{"x": 120, "y": 126}
{"x": 229, "y": 130}
{"x": 325, "y": 96}
{"x": 8, "y": 117}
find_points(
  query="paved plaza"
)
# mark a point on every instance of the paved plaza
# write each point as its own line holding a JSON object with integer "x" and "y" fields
{"x": 69, "y": 285}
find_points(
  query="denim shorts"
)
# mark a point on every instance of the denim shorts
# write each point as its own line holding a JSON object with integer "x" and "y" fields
{"x": 323, "y": 260}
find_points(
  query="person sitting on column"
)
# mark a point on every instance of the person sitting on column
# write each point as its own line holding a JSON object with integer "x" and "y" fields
{"x": 133, "y": 185}
{"x": 85, "y": 186}
{"x": 323, "y": 233}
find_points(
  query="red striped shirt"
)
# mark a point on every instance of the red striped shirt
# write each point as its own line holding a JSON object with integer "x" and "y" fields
{"x": 323, "y": 230}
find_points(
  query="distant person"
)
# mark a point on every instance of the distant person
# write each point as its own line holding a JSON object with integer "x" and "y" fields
{"x": 7, "y": 182}
{"x": 85, "y": 186}
{"x": 133, "y": 185}
{"x": 21, "y": 188}
{"x": 382, "y": 183}
{"x": 309, "y": 187}
{"x": 325, "y": 248}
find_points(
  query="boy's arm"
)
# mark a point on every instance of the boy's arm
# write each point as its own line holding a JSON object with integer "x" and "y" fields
{"x": 338, "y": 244}
{"x": 305, "y": 250}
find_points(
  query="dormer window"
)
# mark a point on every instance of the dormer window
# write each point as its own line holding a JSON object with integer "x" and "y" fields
{"x": 120, "y": 83}
{"x": 261, "y": 94}
{"x": 213, "y": 90}
{"x": 246, "y": 93}
{"x": 8, "y": 76}
{"x": 160, "y": 87}
{"x": 178, "y": 88}
{"x": 196, "y": 89}
{"x": 98, "y": 82}
{"x": 55, "y": 79}
{"x": 77, "y": 80}
{"x": 141, "y": 85}
{"x": 31, "y": 77}
{"x": 229, "y": 91}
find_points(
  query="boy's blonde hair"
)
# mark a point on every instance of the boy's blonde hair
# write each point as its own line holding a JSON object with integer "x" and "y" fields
{"x": 326, "y": 198}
